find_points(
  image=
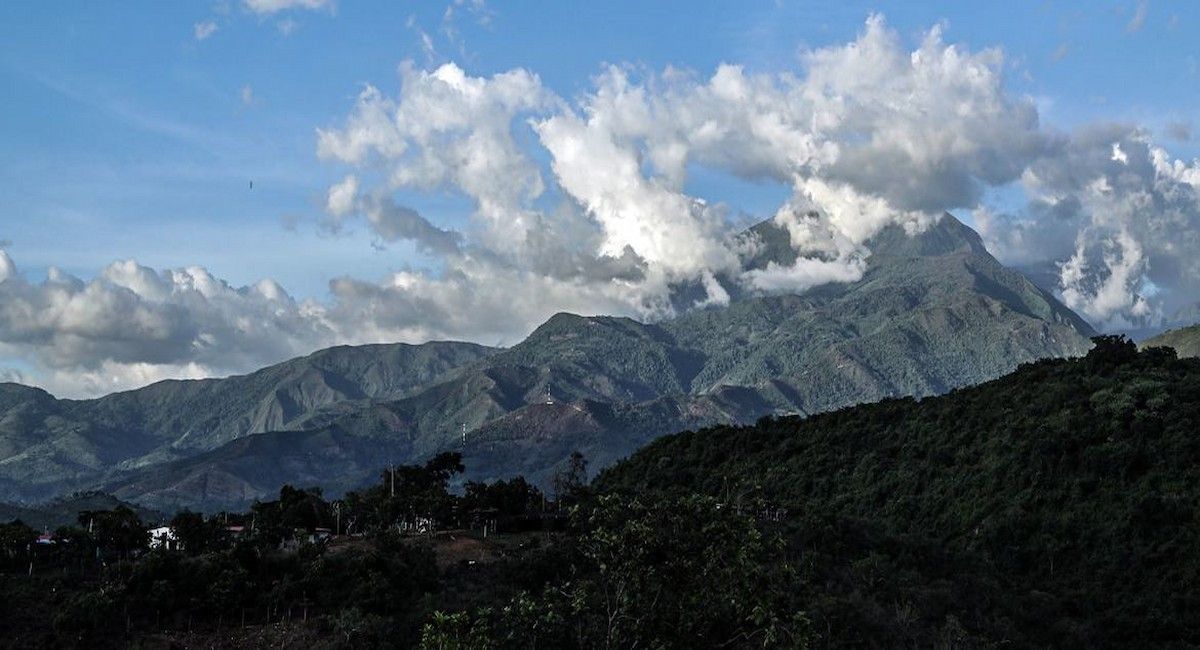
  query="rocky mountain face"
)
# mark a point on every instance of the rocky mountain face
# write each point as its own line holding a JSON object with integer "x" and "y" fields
{"x": 933, "y": 312}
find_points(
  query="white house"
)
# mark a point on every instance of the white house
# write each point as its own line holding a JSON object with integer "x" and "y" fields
{"x": 164, "y": 537}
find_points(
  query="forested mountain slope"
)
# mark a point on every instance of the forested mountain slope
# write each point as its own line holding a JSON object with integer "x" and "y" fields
{"x": 1055, "y": 506}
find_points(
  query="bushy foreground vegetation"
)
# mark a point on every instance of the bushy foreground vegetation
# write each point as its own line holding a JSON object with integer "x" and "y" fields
{"x": 407, "y": 563}
{"x": 1055, "y": 507}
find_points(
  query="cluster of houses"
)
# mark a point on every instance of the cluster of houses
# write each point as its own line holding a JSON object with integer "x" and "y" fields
{"x": 165, "y": 538}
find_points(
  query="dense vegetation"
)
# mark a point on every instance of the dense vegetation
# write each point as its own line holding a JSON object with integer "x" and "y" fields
{"x": 1056, "y": 506}
{"x": 372, "y": 570}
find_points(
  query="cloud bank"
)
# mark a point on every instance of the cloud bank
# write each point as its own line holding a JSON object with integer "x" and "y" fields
{"x": 583, "y": 204}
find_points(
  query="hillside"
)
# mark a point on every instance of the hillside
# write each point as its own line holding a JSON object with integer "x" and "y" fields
{"x": 1185, "y": 340}
{"x": 48, "y": 446}
{"x": 64, "y": 511}
{"x": 1066, "y": 492}
{"x": 932, "y": 312}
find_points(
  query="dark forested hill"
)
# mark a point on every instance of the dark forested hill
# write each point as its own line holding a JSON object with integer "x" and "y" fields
{"x": 932, "y": 312}
{"x": 65, "y": 510}
{"x": 1056, "y": 506}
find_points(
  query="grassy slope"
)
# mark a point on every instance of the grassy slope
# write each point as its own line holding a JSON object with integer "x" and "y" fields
{"x": 1185, "y": 340}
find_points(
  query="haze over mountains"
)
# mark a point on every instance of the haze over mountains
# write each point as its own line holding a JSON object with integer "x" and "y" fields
{"x": 933, "y": 312}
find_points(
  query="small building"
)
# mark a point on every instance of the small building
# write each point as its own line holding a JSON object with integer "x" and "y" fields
{"x": 164, "y": 537}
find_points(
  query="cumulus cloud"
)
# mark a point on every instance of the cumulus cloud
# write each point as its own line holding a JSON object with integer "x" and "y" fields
{"x": 867, "y": 134}
{"x": 450, "y": 130}
{"x": 131, "y": 314}
{"x": 1120, "y": 217}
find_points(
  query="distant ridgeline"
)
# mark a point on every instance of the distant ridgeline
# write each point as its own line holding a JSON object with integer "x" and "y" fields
{"x": 1055, "y": 507}
{"x": 932, "y": 312}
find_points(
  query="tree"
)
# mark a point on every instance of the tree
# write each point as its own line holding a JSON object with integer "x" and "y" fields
{"x": 512, "y": 498}
{"x": 116, "y": 532}
{"x": 15, "y": 541}
{"x": 412, "y": 491}
{"x": 194, "y": 533}
{"x": 571, "y": 480}
{"x": 1112, "y": 350}
{"x": 295, "y": 509}
{"x": 666, "y": 573}
{"x": 685, "y": 572}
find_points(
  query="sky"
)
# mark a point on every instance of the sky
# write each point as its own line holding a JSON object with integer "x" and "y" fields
{"x": 201, "y": 188}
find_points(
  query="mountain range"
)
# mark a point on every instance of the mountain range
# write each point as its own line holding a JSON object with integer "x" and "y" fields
{"x": 933, "y": 311}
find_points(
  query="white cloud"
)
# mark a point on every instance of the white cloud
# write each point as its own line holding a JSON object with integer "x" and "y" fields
{"x": 202, "y": 30}
{"x": 450, "y": 130}
{"x": 8, "y": 269}
{"x": 342, "y": 197}
{"x": 1113, "y": 295}
{"x": 268, "y": 7}
{"x": 131, "y": 315}
{"x": 247, "y": 95}
{"x": 1119, "y": 216}
{"x": 1118, "y": 155}
{"x": 869, "y": 135}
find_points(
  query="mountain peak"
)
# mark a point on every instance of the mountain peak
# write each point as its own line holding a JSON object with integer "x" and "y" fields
{"x": 948, "y": 236}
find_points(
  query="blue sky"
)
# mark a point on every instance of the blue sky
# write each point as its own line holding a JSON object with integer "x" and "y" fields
{"x": 125, "y": 137}
{"x": 133, "y": 131}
